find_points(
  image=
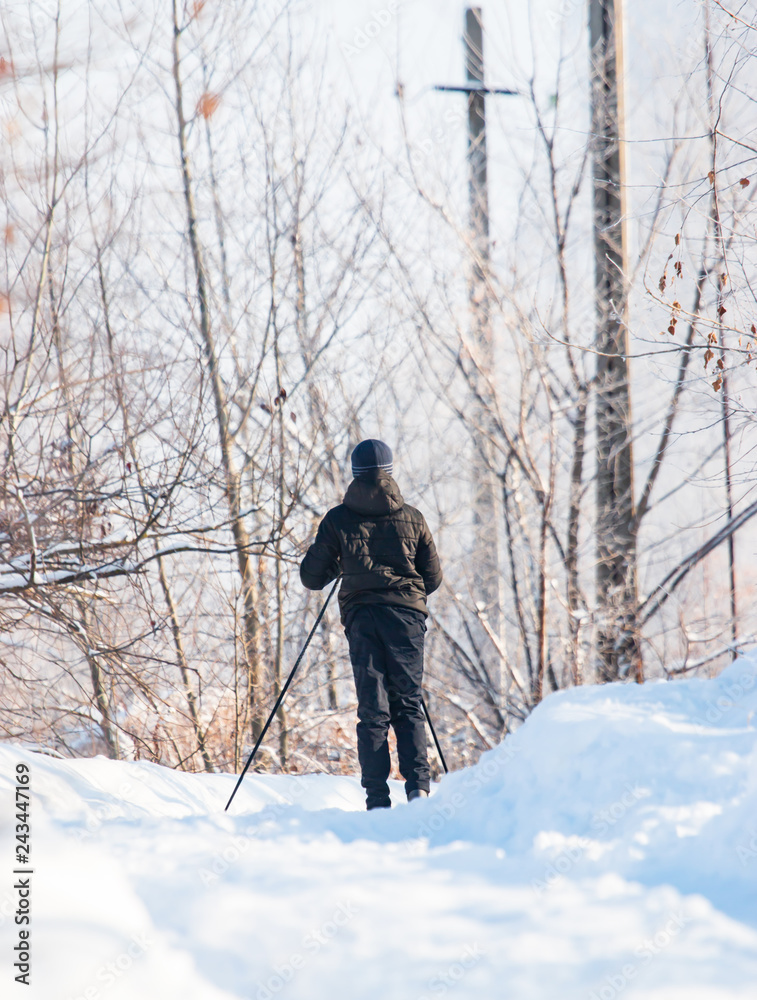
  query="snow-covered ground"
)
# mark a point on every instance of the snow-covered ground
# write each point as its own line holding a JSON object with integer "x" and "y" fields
{"x": 608, "y": 848}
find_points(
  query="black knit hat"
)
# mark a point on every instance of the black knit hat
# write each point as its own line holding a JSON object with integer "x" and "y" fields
{"x": 371, "y": 454}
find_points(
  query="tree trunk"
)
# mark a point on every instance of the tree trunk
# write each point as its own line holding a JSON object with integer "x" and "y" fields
{"x": 618, "y": 648}
{"x": 571, "y": 549}
{"x": 232, "y": 478}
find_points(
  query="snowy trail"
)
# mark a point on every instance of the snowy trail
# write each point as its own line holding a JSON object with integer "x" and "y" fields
{"x": 607, "y": 848}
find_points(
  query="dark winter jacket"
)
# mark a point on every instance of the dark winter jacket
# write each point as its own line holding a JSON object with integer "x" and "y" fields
{"x": 382, "y": 547}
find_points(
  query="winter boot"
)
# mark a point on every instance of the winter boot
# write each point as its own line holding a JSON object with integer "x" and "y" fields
{"x": 417, "y": 793}
{"x": 379, "y": 805}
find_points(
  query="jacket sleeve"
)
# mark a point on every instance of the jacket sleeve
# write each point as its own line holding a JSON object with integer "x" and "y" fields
{"x": 427, "y": 561}
{"x": 322, "y": 562}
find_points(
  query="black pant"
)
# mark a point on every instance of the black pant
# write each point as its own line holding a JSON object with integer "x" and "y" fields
{"x": 386, "y": 650}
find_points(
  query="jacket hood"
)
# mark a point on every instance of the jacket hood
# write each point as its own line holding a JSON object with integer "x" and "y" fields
{"x": 374, "y": 494}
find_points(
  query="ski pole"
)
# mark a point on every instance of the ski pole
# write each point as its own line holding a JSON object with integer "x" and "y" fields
{"x": 283, "y": 691}
{"x": 433, "y": 733}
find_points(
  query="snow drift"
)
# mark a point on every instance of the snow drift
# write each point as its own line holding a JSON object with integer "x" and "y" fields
{"x": 607, "y": 848}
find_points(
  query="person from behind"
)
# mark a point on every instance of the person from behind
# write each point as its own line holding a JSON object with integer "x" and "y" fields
{"x": 383, "y": 549}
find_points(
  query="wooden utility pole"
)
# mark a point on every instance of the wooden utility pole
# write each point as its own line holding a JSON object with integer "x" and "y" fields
{"x": 487, "y": 580}
{"x": 478, "y": 184}
{"x": 618, "y": 647}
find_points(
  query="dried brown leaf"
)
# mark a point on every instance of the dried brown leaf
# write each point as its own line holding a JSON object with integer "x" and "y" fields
{"x": 208, "y": 105}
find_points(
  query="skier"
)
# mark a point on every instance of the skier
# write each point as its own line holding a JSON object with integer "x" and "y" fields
{"x": 384, "y": 550}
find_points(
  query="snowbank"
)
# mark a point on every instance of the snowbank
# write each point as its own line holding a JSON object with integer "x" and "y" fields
{"x": 608, "y": 847}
